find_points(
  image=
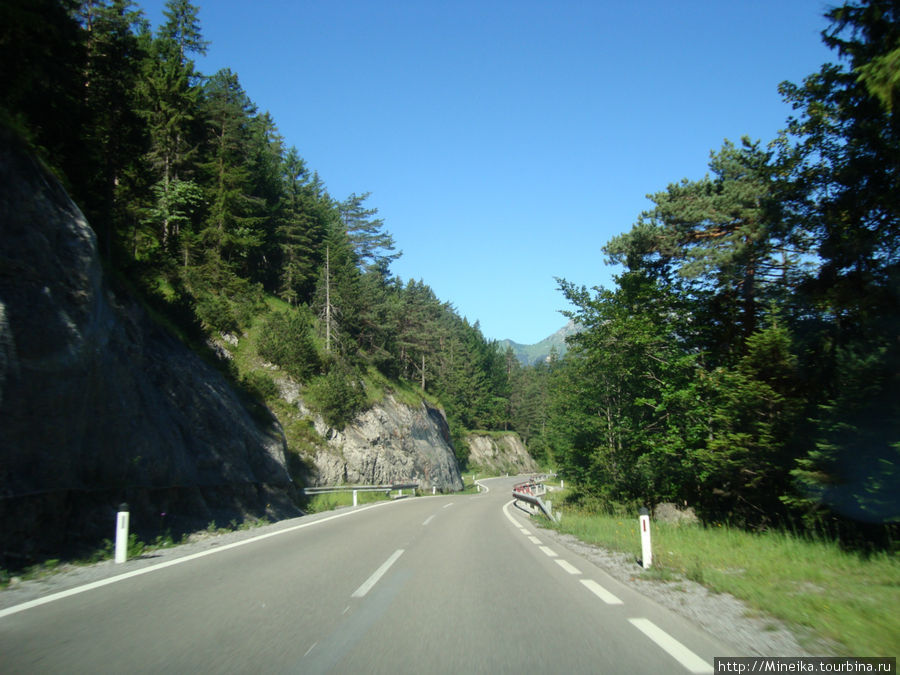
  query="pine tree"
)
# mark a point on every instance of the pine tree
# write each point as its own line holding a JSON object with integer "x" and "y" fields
{"x": 718, "y": 238}
{"x": 235, "y": 214}
{"x": 843, "y": 185}
{"x": 372, "y": 245}
{"x": 115, "y": 135}
{"x": 170, "y": 101}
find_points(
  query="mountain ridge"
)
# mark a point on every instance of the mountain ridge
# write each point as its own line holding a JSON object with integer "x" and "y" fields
{"x": 530, "y": 355}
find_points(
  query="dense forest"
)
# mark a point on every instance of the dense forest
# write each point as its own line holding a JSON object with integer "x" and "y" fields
{"x": 746, "y": 361}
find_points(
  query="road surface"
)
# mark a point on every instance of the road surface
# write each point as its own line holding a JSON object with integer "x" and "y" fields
{"x": 447, "y": 584}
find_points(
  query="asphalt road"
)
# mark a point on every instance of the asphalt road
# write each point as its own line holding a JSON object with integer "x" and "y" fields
{"x": 448, "y": 584}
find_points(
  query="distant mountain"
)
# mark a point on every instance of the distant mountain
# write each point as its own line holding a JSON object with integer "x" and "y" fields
{"x": 531, "y": 354}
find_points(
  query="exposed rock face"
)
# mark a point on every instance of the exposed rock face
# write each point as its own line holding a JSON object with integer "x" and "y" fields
{"x": 391, "y": 442}
{"x": 500, "y": 454}
{"x": 98, "y": 405}
{"x": 668, "y": 512}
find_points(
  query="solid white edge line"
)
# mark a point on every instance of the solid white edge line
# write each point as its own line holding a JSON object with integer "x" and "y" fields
{"x": 508, "y": 515}
{"x": 567, "y": 566}
{"x": 377, "y": 574}
{"x": 15, "y": 609}
{"x": 673, "y": 647}
{"x": 601, "y": 592}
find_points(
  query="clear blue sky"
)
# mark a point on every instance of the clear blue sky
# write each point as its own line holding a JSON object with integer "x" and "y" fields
{"x": 505, "y": 142}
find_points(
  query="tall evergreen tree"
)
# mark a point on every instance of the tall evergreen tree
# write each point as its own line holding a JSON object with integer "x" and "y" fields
{"x": 169, "y": 105}
{"x": 182, "y": 29}
{"x": 235, "y": 214}
{"x": 115, "y": 135}
{"x": 844, "y": 146}
{"x": 371, "y": 243}
{"x": 718, "y": 238}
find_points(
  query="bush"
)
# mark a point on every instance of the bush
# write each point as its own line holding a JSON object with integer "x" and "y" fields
{"x": 286, "y": 340}
{"x": 260, "y": 384}
{"x": 339, "y": 395}
{"x": 215, "y": 314}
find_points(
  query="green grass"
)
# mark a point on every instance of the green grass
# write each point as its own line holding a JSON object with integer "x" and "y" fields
{"x": 335, "y": 500}
{"x": 836, "y": 595}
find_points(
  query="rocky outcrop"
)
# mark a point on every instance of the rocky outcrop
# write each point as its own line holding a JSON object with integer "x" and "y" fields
{"x": 391, "y": 442}
{"x": 667, "y": 512}
{"x": 98, "y": 404}
{"x": 500, "y": 453}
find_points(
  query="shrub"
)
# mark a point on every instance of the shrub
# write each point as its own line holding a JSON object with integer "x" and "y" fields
{"x": 260, "y": 384}
{"x": 286, "y": 341}
{"x": 339, "y": 395}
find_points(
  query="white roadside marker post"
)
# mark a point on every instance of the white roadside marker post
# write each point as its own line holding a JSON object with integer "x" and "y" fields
{"x": 122, "y": 533}
{"x": 354, "y": 498}
{"x": 646, "y": 551}
{"x": 434, "y": 489}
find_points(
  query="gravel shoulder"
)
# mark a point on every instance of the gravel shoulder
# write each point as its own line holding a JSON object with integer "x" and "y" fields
{"x": 720, "y": 614}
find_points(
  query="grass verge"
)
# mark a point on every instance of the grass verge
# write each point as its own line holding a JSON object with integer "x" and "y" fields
{"x": 335, "y": 500}
{"x": 843, "y": 597}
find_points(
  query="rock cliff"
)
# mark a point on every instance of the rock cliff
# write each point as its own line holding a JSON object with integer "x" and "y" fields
{"x": 500, "y": 453}
{"x": 98, "y": 404}
{"x": 391, "y": 442}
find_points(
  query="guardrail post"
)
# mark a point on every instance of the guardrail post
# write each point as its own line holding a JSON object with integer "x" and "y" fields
{"x": 122, "y": 533}
{"x": 646, "y": 551}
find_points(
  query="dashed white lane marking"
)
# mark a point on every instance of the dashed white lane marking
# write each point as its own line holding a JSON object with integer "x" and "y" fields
{"x": 447, "y": 506}
{"x": 311, "y": 648}
{"x": 428, "y": 520}
{"x": 601, "y": 592}
{"x": 377, "y": 574}
{"x": 549, "y": 552}
{"x": 567, "y": 566}
{"x": 675, "y": 649}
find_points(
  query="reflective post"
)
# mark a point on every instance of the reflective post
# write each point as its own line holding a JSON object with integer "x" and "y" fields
{"x": 122, "y": 533}
{"x": 646, "y": 551}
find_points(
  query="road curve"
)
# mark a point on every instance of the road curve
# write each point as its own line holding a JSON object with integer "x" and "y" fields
{"x": 450, "y": 584}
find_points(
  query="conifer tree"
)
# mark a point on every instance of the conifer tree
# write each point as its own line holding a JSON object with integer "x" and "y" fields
{"x": 371, "y": 243}
{"x": 115, "y": 137}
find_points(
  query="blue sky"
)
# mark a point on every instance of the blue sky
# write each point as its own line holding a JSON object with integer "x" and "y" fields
{"x": 505, "y": 142}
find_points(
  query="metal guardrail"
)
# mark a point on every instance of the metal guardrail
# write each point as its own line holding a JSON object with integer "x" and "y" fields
{"x": 531, "y": 492}
{"x": 359, "y": 488}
